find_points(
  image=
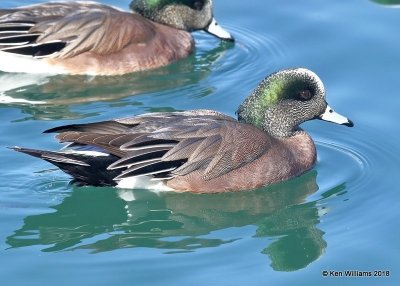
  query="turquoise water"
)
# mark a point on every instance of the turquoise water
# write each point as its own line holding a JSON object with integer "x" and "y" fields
{"x": 342, "y": 215}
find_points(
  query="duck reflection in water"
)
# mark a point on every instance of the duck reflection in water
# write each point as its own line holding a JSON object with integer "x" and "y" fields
{"x": 105, "y": 219}
{"x": 50, "y": 97}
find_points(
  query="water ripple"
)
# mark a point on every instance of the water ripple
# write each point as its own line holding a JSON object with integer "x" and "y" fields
{"x": 355, "y": 163}
{"x": 245, "y": 57}
{"x": 356, "y": 157}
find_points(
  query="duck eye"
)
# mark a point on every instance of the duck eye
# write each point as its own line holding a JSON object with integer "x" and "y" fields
{"x": 304, "y": 94}
{"x": 198, "y": 5}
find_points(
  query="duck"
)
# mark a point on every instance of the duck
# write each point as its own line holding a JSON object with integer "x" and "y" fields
{"x": 89, "y": 38}
{"x": 201, "y": 151}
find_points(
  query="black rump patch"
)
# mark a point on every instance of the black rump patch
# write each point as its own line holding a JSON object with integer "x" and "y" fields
{"x": 41, "y": 50}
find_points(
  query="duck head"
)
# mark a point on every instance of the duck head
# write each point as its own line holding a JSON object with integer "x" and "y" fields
{"x": 189, "y": 15}
{"x": 285, "y": 99}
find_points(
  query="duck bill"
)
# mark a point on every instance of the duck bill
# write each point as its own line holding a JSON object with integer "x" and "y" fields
{"x": 332, "y": 116}
{"x": 216, "y": 30}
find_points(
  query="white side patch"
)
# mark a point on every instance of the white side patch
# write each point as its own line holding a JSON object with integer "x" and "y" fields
{"x": 143, "y": 182}
{"x": 24, "y": 64}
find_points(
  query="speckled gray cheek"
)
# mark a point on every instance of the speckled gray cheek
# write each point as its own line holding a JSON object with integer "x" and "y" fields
{"x": 168, "y": 16}
{"x": 283, "y": 119}
{"x": 275, "y": 107}
{"x": 175, "y": 14}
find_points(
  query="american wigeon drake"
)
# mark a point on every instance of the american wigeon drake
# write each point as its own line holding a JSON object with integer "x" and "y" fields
{"x": 202, "y": 150}
{"x": 95, "y": 39}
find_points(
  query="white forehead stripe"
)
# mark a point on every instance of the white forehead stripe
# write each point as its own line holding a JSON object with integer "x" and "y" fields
{"x": 312, "y": 76}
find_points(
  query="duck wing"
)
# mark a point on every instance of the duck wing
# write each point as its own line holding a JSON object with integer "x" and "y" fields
{"x": 67, "y": 29}
{"x": 166, "y": 145}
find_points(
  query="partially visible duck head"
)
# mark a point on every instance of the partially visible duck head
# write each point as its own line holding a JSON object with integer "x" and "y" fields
{"x": 189, "y": 15}
{"x": 285, "y": 99}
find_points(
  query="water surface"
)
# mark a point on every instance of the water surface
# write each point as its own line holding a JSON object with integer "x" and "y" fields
{"x": 342, "y": 215}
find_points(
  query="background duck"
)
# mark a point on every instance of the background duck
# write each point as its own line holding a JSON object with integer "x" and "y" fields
{"x": 96, "y": 39}
{"x": 202, "y": 150}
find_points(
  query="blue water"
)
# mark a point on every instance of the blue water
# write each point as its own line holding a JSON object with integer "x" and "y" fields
{"x": 342, "y": 215}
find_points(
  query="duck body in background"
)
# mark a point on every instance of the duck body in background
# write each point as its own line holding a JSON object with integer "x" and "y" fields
{"x": 95, "y": 39}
